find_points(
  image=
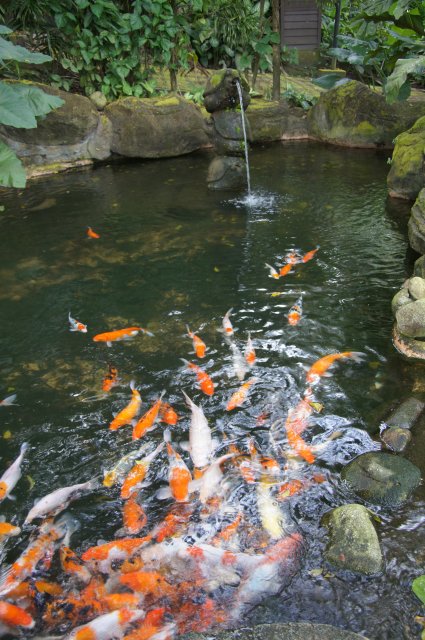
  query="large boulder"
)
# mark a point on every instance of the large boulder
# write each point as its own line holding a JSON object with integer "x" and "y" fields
{"x": 222, "y": 92}
{"x": 270, "y": 121}
{"x": 353, "y": 115}
{"x": 72, "y": 134}
{"x": 411, "y": 319}
{"x": 156, "y": 127}
{"x": 353, "y": 544}
{"x": 280, "y": 631}
{"x": 407, "y": 174}
{"x": 416, "y": 224}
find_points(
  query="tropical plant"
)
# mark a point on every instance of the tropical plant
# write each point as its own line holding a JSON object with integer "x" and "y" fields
{"x": 20, "y": 106}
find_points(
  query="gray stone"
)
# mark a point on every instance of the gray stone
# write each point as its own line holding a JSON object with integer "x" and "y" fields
{"x": 417, "y": 287}
{"x": 226, "y": 173}
{"x": 419, "y": 268}
{"x": 156, "y": 127}
{"x": 382, "y": 478}
{"x": 411, "y": 319}
{"x": 99, "y": 100}
{"x": 221, "y": 91}
{"x": 408, "y": 347}
{"x": 396, "y": 438}
{"x": 280, "y": 631}
{"x": 353, "y": 115}
{"x": 400, "y": 299}
{"x": 99, "y": 144}
{"x": 270, "y": 121}
{"x": 353, "y": 544}
{"x": 416, "y": 224}
{"x": 228, "y": 133}
{"x": 407, "y": 174}
{"x": 406, "y": 414}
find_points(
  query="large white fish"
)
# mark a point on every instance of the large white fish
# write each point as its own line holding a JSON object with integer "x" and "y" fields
{"x": 110, "y": 625}
{"x": 239, "y": 363}
{"x": 270, "y": 513}
{"x": 208, "y": 483}
{"x": 11, "y": 476}
{"x": 58, "y": 500}
{"x": 200, "y": 440}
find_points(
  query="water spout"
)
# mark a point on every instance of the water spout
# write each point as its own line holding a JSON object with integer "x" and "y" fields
{"x": 248, "y": 178}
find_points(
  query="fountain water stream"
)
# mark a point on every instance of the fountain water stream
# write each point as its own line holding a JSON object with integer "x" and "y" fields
{"x": 248, "y": 177}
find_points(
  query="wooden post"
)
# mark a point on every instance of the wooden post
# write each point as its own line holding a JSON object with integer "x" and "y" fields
{"x": 276, "y": 49}
{"x": 256, "y": 61}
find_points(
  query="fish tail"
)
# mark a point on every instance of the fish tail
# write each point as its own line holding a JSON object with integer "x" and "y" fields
{"x": 167, "y": 435}
{"x": 358, "y": 356}
{"x": 24, "y": 447}
{"x": 147, "y": 332}
{"x": 7, "y": 402}
{"x": 133, "y": 385}
{"x": 190, "y": 334}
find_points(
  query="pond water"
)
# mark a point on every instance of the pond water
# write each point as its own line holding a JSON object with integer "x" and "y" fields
{"x": 172, "y": 254}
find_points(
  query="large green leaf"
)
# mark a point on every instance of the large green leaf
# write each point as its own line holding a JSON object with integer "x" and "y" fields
{"x": 329, "y": 80}
{"x": 395, "y": 84}
{"x": 12, "y": 173}
{"x": 20, "y": 104}
{"x": 10, "y": 51}
{"x": 418, "y": 588}
{"x": 5, "y": 30}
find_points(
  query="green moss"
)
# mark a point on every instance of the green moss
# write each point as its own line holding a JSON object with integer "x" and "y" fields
{"x": 171, "y": 101}
{"x": 217, "y": 78}
{"x": 261, "y": 103}
{"x": 366, "y": 128}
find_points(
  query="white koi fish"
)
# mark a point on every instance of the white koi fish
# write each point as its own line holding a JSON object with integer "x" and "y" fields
{"x": 58, "y": 500}
{"x": 11, "y": 476}
{"x": 200, "y": 440}
{"x": 239, "y": 363}
{"x": 227, "y": 325}
{"x": 108, "y": 626}
{"x": 76, "y": 325}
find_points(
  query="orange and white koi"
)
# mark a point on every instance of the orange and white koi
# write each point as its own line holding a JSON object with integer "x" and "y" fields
{"x": 12, "y": 475}
{"x": 273, "y": 273}
{"x": 291, "y": 260}
{"x": 104, "y": 555}
{"x": 167, "y": 414}
{"x": 58, "y": 500}
{"x": 151, "y": 627}
{"x": 240, "y": 395}
{"x": 173, "y": 523}
{"x": 120, "y": 334}
{"x": 14, "y": 616}
{"x": 298, "y": 416}
{"x": 228, "y": 531}
{"x": 92, "y": 234}
{"x": 205, "y": 383}
{"x": 8, "y": 530}
{"x": 249, "y": 351}
{"x": 227, "y": 325}
{"x": 108, "y": 626}
{"x": 9, "y": 401}
{"x": 150, "y": 583}
{"x": 134, "y": 517}
{"x": 310, "y": 254}
{"x": 320, "y": 367}
{"x": 137, "y": 474}
{"x": 73, "y": 565}
{"x": 123, "y": 466}
{"x": 111, "y": 378}
{"x": 200, "y": 440}
{"x": 179, "y": 476}
{"x": 295, "y": 312}
{"x": 198, "y": 345}
{"x": 76, "y": 325}
{"x": 126, "y": 415}
{"x": 147, "y": 421}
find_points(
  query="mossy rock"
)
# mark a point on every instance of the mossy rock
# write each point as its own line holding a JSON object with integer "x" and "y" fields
{"x": 416, "y": 224}
{"x": 156, "y": 128}
{"x": 271, "y": 120}
{"x": 280, "y": 631}
{"x": 221, "y": 91}
{"x": 407, "y": 174}
{"x": 225, "y": 173}
{"x": 353, "y": 115}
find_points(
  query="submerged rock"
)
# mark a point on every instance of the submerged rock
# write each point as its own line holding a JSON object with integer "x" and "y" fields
{"x": 226, "y": 173}
{"x": 416, "y": 224}
{"x": 406, "y": 414}
{"x": 354, "y": 544}
{"x": 407, "y": 174}
{"x": 353, "y": 115}
{"x": 281, "y": 631}
{"x": 411, "y": 319}
{"x": 382, "y": 478}
{"x": 408, "y": 347}
{"x": 396, "y": 438}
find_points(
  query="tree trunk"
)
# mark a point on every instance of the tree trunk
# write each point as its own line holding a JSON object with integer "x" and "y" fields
{"x": 256, "y": 61}
{"x": 336, "y": 30}
{"x": 173, "y": 61}
{"x": 276, "y": 49}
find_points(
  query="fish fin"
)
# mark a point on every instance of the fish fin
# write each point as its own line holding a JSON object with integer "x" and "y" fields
{"x": 167, "y": 435}
{"x": 109, "y": 344}
{"x": 24, "y": 447}
{"x": 7, "y": 402}
{"x": 133, "y": 385}
{"x": 195, "y": 485}
{"x": 186, "y": 397}
{"x": 358, "y": 356}
{"x": 2, "y": 518}
{"x": 164, "y": 493}
{"x": 11, "y": 497}
{"x": 133, "y": 422}
{"x": 147, "y": 332}
{"x": 185, "y": 445}
{"x": 186, "y": 362}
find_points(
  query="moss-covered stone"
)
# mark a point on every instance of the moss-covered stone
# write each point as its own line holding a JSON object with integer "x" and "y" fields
{"x": 407, "y": 174}
{"x": 409, "y": 347}
{"x": 152, "y": 128}
{"x": 226, "y": 173}
{"x": 355, "y": 116}
{"x": 416, "y": 224}
{"x": 221, "y": 91}
{"x": 272, "y": 120}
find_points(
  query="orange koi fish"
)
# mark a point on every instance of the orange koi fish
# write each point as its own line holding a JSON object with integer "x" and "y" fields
{"x": 14, "y": 616}
{"x": 108, "y": 626}
{"x": 137, "y": 474}
{"x": 121, "y": 601}
{"x": 149, "y": 627}
{"x": 227, "y": 325}
{"x": 126, "y": 415}
{"x": 134, "y": 517}
{"x": 249, "y": 351}
{"x": 205, "y": 382}
{"x": 198, "y": 345}
{"x": 291, "y": 259}
{"x": 227, "y": 532}
{"x": 9, "y": 401}
{"x": 173, "y": 523}
{"x": 273, "y": 273}
{"x": 72, "y": 565}
{"x": 120, "y": 334}
{"x": 111, "y": 551}
{"x": 239, "y": 396}
{"x": 295, "y": 312}
{"x": 167, "y": 414}
{"x": 269, "y": 464}
{"x": 111, "y": 378}
{"x": 283, "y": 271}
{"x": 320, "y": 367}
{"x": 76, "y": 325}
{"x": 7, "y": 529}
{"x": 179, "y": 476}
{"x": 290, "y": 488}
{"x": 147, "y": 421}
{"x": 147, "y": 582}
{"x": 298, "y": 416}
{"x": 299, "y": 445}
{"x": 310, "y": 254}
{"x": 92, "y": 234}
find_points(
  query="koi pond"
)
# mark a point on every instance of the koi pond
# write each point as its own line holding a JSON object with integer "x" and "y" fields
{"x": 172, "y": 254}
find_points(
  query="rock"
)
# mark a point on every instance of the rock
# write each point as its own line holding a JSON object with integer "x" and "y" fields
{"x": 281, "y": 631}
{"x": 221, "y": 91}
{"x": 411, "y": 319}
{"x": 400, "y": 299}
{"x": 396, "y": 438}
{"x": 156, "y": 127}
{"x": 416, "y": 287}
{"x": 99, "y": 145}
{"x": 354, "y": 544}
{"x": 406, "y": 414}
{"x": 419, "y": 268}
{"x": 408, "y": 347}
{"x": 99, "y": 100}
{"x": 381, "y": 478}
{"x": 407, "y": 174}
{"x": 353, "y": 115}
{"x": 270, "y": 121}
{"x": 226, "y": 173}
{"x": 228, "y": 133}
{"x": 416, "y": 224}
